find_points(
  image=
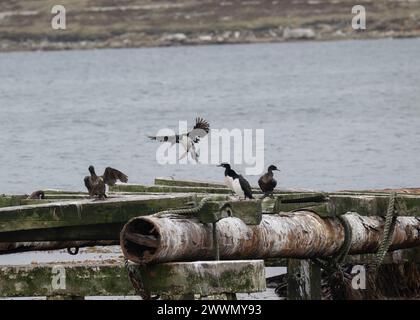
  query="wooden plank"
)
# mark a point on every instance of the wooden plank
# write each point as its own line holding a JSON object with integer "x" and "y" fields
{"x": 393, "y": 257}
{"x": 81, "y": 220}
{"x": 170, "y": 185}
{"x": 65, "y": 280}
{"x": 367, "y": 205}
{"x": 202, "y": 277}
{"x": 162, "y": 181}
{"x": 137, "y": 188}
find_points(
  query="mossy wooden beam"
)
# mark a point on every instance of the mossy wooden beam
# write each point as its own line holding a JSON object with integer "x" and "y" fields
{"x": 57, "y": 192}
{"x": 81, "y": 220}
{"x": 412, "y": 191}
{"x": 20, "y": 200}
{"x": 218, "y": 189}
{"x": 137, "y": 188}
{"x": 11, "y": 200}
{"x": 368, "y": 205}
{"x": 65, "y": 280}
{"x": 292, "y": 201}
{"x": 393, "y": 257}
{"x": 192, "y": 183}
{"x": 202, "y": 277}
{"x": 187, "y": 183}
{"x": 15, "y": 247}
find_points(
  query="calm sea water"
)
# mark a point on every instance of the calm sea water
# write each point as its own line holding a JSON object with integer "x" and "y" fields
{"x": 336, "y": 114}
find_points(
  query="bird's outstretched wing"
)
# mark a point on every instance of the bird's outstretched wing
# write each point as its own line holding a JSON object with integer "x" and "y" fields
{"x": 246, "y": 187}
{"x": 111, "y": 176}
{"x": 171, "y": 139}
{"x": 88, "y": 185}
{"x": 200, "y": 130}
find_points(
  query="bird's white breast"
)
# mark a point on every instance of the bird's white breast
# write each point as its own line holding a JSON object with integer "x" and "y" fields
{"x": 228, "y": 182}
{"x": 237, "y": 188}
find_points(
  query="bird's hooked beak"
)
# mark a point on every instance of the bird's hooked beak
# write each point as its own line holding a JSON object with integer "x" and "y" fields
{"x": 219, "y": 165}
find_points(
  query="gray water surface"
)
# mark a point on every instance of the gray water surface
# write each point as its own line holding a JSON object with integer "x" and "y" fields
{"x": 336, "y": 114}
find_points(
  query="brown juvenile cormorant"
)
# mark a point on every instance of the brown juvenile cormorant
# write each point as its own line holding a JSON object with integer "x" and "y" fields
{"x": 267, "y": 182}
{"x": 96, "y": 184}
{"x": 236, "y": 182}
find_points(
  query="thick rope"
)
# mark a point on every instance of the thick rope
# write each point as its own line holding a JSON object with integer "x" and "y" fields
{"x": 348, "y": 234}
{"x": 184, "y": 211}
{"x": 389, "y": 226}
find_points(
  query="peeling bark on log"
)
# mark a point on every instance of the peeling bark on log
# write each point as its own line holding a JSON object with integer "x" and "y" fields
{"x": 300, "y": 234}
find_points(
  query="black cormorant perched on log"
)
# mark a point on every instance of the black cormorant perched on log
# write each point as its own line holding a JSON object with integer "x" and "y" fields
{"x": 96, "y": 184}
{"x": 236, "y": 182}
{"x": 267, "y": 182}
{"x": 188, "y": 140}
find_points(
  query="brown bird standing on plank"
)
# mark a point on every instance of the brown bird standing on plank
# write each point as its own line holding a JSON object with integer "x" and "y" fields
{"x": 267, "y": 182}
{"x": 96, "y": 184}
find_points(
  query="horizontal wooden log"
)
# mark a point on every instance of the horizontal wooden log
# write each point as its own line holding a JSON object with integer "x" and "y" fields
{"x": 288, "y": 235}
{"x": 81, "y": 220}
{"x": 202, "y": 277}
{"x": 67, "y": 280}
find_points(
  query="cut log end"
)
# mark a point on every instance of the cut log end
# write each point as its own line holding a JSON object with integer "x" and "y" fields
{"x": 139, "y": 240}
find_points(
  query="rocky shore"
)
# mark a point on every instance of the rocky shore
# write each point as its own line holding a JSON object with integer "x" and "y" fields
{"x": 103, "y": 24}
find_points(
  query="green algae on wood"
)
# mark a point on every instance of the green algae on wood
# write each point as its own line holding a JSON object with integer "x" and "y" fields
{"x": 137, "y": 188}
{"x": 368, "y": 205}
{"x": 66, "y": 280}
{"x": 89, "y": 218}
{"x": 202, "y": 277}
{"x": 187, "y": 183}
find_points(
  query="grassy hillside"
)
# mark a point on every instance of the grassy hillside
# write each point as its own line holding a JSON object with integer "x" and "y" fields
{"x": 26, "y": 25}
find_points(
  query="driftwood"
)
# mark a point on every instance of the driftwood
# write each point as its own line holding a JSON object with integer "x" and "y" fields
{"x": 300, "y": 234}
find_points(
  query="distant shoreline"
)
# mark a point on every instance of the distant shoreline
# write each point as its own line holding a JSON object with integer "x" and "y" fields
{"x": 178, "y": 40}
{"x": 26, "y": 26}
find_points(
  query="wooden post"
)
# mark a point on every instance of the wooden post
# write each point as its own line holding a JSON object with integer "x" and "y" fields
{"x": 303, "y": 280}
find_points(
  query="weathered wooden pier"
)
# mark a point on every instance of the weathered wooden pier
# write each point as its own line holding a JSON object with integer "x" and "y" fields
{"x": 187, "y": 239}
